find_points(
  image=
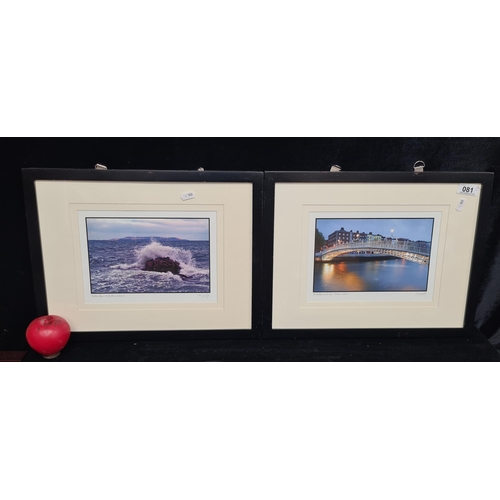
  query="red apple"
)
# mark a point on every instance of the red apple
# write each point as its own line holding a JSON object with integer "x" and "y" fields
{"x": 47, "y": 335}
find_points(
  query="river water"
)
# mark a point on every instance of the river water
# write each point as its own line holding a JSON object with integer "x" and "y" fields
{"x": 357, "y": 274}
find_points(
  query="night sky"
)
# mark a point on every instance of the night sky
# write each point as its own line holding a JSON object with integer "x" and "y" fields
{"x": 413, "y": 229}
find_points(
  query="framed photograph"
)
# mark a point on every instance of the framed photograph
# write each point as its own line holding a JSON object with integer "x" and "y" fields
{"x": 354, "y": 253}
{"x": 168, "y": 253}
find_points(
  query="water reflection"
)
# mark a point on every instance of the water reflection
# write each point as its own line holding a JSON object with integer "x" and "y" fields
{"x": 357, "y": 275}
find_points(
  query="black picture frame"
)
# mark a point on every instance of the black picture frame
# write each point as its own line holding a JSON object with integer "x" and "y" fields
{"x": 272, "y": 178}
{"x": 31, "y": 175}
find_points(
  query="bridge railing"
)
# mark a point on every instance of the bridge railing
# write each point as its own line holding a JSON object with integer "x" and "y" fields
{"x": 405, "y": 246}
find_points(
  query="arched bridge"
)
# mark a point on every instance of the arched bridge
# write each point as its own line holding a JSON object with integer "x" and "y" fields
{"x": 404, "y": 250}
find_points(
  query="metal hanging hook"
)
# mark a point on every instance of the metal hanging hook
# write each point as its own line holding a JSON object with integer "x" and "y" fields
{"x": 418, "y": 166}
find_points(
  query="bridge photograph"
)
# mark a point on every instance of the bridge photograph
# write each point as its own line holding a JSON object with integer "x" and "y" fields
{"x": 372, "y": 255}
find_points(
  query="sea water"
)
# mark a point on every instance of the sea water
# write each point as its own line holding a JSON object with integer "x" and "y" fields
{"x": 116, "y": 266}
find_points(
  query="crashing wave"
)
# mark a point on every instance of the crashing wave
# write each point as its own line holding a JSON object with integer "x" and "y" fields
{"x": 154, "y": 250}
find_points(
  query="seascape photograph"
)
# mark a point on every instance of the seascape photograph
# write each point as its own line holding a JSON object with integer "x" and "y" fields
{"x": 372, "y": 254}
{"x": 145, "y": 255}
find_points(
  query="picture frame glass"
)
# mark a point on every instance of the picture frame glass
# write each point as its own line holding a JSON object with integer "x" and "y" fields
{"x": 371, "y": 255}
{"x": 142, "y": 256}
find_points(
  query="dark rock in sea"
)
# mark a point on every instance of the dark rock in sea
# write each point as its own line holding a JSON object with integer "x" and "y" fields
{"x": 162, "y": 265}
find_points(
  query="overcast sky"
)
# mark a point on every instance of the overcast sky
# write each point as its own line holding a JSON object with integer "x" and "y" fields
{"x": 106, "y": 229}
{"x": 413, "y": 229}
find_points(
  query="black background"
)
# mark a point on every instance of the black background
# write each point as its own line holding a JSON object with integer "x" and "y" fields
{"x": 238, "y": 154}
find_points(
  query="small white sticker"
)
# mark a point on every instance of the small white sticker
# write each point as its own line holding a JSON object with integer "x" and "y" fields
{"x": 460, "y": 205}
{"x": 468, "y": 189}
{"x": 188, "y": 195}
